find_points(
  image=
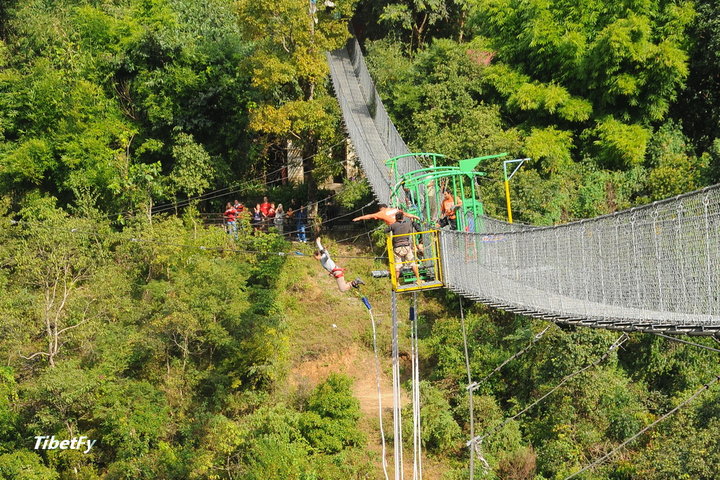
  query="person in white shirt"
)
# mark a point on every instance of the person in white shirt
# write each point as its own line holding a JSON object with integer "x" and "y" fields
{"x": 328, "y": 264}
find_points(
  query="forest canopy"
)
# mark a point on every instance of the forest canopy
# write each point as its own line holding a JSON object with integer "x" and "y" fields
{"x": 124, "y": 318}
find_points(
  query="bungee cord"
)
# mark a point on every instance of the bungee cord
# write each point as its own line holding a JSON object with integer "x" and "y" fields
{"x": 377, "y": 381}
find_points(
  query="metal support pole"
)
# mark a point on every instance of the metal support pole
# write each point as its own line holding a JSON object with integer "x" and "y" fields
{"x": 507, "y": 200}
{"x": 519, "y": 162}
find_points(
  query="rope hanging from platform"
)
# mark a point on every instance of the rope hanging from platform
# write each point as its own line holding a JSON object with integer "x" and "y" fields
{"x": 397, "y": 413}
{"x": 470, "y": 389}
{"x": 377, "y": 381}
{"x": 417, "y": 427}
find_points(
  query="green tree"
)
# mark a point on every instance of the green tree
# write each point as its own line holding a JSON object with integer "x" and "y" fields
{"x": 699, "y": 105}
{"x": 440, "y": 433}
{"x": 8, "y": 414}
{"x": 673, "y": 167}
{"x": 58, "y": 264}
{"x": 291, "y": 102}
{"x": 330, "y": 422}
{"x": 437, "y": 99}
{"x": 132, "y": 417}
{"x": 275, "y": 447}
{"x": 193, "y": 171}
{"x": 629, "y": 60}
{"x": 417, "y": 17}
{"x": 24, "y": 465}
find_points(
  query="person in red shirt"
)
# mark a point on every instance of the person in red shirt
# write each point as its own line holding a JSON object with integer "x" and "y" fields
{"x": 239, "y": 207}
{"x": 230, "y": 216}
{"x": 265, "y": 206}
{"x": 385, "y": 214}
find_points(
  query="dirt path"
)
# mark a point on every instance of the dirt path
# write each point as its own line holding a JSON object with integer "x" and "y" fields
{"x": 357, "y": 364}
{"x": 327, "y": 330}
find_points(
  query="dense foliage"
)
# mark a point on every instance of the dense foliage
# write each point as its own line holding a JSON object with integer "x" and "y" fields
{"x": 593, "y": 92}
{"x": 115, "y": 324}
{"x": 129, "y": 102}
{"x": 165, "y": 351}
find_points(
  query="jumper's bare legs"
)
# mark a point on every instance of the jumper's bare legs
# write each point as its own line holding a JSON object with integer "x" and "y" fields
{"x": 324, "y": 257}
{"x": 343, "y": 286}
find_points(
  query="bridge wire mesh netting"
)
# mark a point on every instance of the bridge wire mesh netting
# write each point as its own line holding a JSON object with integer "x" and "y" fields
{"x": 372, "y": 132}
{"x": 653, "y": 268}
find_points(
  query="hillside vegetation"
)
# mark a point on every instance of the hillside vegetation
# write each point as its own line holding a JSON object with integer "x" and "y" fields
{"x": 188, "y": 354}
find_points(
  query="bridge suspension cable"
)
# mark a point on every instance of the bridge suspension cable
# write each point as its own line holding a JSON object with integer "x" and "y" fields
{"x": 686, "y": 342}
{"x": 477, "y": 441}
{"x": 650, "y": 426}
{"x": 534, "y": 339}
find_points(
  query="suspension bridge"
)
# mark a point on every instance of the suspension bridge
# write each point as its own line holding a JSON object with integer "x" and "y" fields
{"x": 650, "y": 269}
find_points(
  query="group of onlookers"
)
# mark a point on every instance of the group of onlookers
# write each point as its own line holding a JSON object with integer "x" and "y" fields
{"x": 266, "y": 215}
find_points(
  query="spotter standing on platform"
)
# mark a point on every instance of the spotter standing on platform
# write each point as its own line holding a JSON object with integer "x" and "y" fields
{"x": 402, "y": 243}
{"x": 324, "y": 256}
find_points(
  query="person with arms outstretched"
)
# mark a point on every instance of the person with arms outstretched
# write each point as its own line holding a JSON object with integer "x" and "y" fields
{"x": 323, "y": 256}
{"x": 385, "y": 214}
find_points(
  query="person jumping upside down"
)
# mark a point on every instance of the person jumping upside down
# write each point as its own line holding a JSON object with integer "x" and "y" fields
{"x": 324, "y": 256}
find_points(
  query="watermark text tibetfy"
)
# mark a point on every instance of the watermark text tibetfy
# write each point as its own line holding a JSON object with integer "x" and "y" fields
{"x": 44, "y": 442}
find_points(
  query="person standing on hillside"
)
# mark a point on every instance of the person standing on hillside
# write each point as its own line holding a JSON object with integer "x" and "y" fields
{"x": 279, "y": 218}
{"x": 265, "y": 207}
{"x": 230, "y": 216}
{"x": 336, "y": 272}
{"x": 385, "y": 214}
{"x": 239, "y": 207}
{"x": 301, "y": 224}
{"x": 257, "y": 218}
